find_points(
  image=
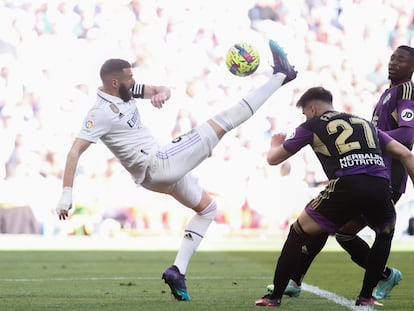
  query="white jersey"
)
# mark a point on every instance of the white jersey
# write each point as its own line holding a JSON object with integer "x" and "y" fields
{"x": 118, "y": 125}
{"x": 164, "y": 169}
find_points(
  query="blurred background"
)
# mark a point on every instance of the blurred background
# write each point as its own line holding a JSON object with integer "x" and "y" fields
{"x": 50, "y": 55}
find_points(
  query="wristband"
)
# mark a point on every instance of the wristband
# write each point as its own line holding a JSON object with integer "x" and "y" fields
{"x": 66, "y": 197}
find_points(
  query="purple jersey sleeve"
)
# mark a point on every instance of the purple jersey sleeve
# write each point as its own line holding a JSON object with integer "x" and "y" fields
{"x": 406, "y": 113}
{"x": 403, "y": 134}
{"x": 384, "y": 138}
{"x": 299, "y": 139}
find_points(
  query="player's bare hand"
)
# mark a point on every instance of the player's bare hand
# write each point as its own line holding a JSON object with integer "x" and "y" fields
{"x": 277, "y": 139}
{"x": 63, "y": 214}
{"x": 158, "y": 100}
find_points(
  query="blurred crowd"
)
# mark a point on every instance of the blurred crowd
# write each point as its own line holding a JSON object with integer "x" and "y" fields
{"x": 50, "y": 55}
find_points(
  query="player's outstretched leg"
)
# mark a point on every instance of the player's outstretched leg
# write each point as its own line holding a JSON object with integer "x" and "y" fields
{"x": 281, "y": 63}
{"x": 283, "y": 72}
{"x": 176, "y": 282}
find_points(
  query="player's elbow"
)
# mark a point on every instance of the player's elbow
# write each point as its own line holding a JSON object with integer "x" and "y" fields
{"x": 272, "y": 159}
{"x": 407, "y": 157}
{"x": 277, "y": 155}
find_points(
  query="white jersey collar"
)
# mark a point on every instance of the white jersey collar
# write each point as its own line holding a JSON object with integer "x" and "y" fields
{"x": 109, "y": 98}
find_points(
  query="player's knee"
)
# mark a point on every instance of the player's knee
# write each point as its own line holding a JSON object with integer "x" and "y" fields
{"x": 387, "y": 232}
{"x": 298, "y": 229}
{"x": 315, "y": 244}
{"x": 210, "y": 212}
{"x": 344, "y": 237}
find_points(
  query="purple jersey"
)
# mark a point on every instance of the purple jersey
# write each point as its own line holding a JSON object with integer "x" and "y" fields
{"x": 395, "y": 109}
{"x": 344, "y": 144}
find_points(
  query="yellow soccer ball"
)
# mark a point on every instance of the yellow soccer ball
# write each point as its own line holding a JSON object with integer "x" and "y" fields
{"x": 242, "y": 59}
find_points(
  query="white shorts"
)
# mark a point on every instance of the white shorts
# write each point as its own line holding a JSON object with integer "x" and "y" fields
{"x": 170, "y": 168}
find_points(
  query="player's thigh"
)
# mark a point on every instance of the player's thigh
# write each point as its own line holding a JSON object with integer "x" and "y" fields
{"x": 308, "y": 224}
{"x": 333, "y": 207}
{"x": 187, "y": 191}
{"x": 376, "y": 203}
{"x": 354, "y": 226}
{"x": 187, "y": 151}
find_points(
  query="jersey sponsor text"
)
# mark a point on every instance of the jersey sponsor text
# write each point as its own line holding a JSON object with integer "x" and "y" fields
{"x": 359, "y": 159}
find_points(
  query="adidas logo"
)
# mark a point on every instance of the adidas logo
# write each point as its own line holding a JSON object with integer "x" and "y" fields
{"x": 188, "y": 236}
{"x": 305, "y": 250}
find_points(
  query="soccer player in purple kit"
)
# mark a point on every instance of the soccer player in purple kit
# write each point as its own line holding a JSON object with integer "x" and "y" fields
{"x": 394, "y": 114}
{"x": 349, "y": 149}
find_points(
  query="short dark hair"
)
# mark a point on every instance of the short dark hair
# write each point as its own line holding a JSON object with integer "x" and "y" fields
{"x": 407, "y": 48}
{"x": 112, "y": 66}
{"x": 314, "y": 93}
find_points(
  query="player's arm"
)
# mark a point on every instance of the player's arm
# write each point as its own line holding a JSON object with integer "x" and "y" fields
{"x": 282, "y": 149}
{"x": 72, "y": 159}
{"x": 277, "y": 153}
{"x": 402, "y": 153}
{"x": 397, "y": 150}
{"x": 157, "y": 94}
{"x": 403, "y": 134}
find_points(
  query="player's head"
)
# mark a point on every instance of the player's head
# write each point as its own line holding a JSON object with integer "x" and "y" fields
{"x": 401, "y": 65}
{"x": 117, "y": 80}
{"x": 315, "y": 101}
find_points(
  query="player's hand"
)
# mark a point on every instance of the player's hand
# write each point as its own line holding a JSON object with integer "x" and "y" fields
{"x": 158, "y": 100}
{"x": 277, "y": 139}
{"x": 65, "y": 203}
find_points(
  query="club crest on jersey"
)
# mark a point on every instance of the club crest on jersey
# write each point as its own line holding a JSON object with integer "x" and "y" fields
{"x": 386, "y": 98}
{"x": 292, "y": 134}
{"x": 407, "y": 115}
{"x": 114, "y": 108}
{"x": 89, "y": 124}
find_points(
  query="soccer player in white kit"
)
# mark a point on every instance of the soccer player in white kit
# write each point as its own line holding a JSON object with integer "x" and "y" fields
{"x": 115, "y": 120}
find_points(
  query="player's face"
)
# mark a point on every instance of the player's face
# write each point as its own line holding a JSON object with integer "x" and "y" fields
{"x": 400, "y": 66}
{"x": 126, "y": 82}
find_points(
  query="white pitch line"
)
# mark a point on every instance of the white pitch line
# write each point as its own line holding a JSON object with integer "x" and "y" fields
{"x": 77, "y": 279}
{"x": 350, "y": 304}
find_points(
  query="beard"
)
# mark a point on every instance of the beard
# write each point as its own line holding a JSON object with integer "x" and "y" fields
{"x": 124, "y": 93}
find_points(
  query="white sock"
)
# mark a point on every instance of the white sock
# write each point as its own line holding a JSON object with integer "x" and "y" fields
{"x": 193, "y": 235}
{"x": 236, "y": 115}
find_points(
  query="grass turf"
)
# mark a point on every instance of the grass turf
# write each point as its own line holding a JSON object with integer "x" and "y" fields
{"x": 217, "y": 280}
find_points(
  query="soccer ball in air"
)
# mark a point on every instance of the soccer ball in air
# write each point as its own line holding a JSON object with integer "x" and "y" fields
{"x": 242, "y": 59}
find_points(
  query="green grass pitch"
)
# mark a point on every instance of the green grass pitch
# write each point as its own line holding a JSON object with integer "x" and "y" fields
{"x": 217, "y": 280}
